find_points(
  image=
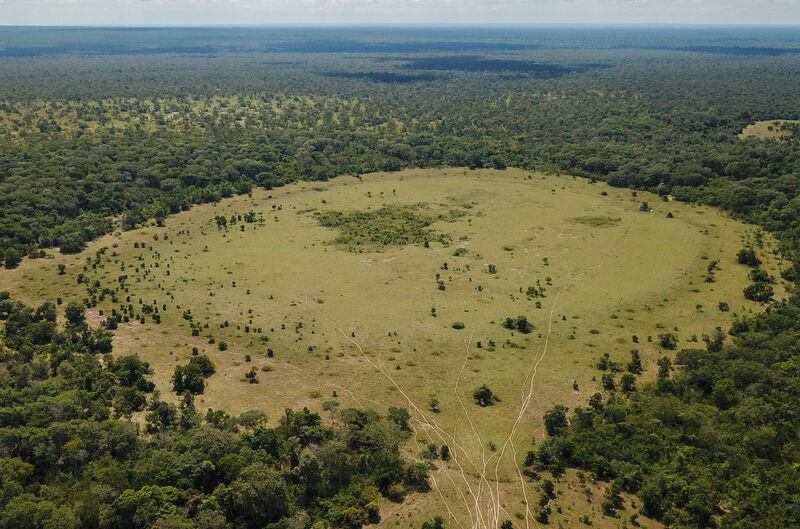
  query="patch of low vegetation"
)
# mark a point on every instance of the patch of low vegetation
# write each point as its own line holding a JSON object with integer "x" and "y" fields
{"x": 748, "y": 257}
{"x": 520, "y": 323}
{"x": 484, "y": 396}
{"x": 387, "y": 226}
{"x": 191, "y": 377}
{"x": 596, "y": 221}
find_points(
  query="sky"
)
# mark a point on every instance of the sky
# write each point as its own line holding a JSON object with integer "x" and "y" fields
{"x": 271, "y": 12}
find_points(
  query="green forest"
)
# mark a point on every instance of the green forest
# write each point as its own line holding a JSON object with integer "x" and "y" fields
{"x": 96, "y": 139}
{"x": 74, "y": 459}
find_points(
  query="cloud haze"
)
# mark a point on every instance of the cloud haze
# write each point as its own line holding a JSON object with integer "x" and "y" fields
{"x": 203, "y": 12}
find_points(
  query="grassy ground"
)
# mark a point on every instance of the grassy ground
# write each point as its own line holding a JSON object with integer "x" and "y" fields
{"x": 767, "y": 130}
{"x": 350, "y": 323}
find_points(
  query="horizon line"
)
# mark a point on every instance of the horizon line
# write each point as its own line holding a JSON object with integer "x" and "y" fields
{"x": 667, "y": 25}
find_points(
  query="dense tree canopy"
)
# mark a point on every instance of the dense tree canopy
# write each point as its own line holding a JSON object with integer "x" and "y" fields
{"x": 70, "y": 459}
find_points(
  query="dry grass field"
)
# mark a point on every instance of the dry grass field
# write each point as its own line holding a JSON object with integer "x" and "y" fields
{"x": 767, "y": 130}
{"x": 372, "y": 325}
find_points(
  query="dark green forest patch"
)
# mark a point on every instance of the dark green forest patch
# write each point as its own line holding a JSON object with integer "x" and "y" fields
{"x": 384, "y": 77}
{"x": 387, "y": 226}
{"x": 596, "y": 221}
{"x": 473, "y": 63}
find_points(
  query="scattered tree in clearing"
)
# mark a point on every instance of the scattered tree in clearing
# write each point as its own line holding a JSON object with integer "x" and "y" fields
{"x": 635, "y": 365}
{"x": 520, "y": 323}
{"x": 483, "y": 396}
{"x": 608, "y": 382}
{"x": 668, "y": 340}
{"x": 759, "y": 275}
{"x": 436, "y": 523}
{"x": 400, "y": 417}
{"x": 605, "y": 363}
{"x": 761, "y": 292}
{"x": 747, "y": 256}
{"x": 191, "y": 377}
{"x": 252, "y": 376}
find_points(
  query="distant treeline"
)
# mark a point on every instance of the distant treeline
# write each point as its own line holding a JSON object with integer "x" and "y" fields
{"x": 40, "y": 41}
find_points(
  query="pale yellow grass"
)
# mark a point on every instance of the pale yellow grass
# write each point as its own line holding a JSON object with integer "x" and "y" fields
{"x": 767, "y": 130}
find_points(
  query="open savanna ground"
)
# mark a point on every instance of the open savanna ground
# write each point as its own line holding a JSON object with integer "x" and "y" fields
{"x": 402, "y": 299}
{"x": 768, "y": 130}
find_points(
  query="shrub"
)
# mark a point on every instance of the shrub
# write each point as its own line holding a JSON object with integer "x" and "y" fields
{"x": 758, "y": 275}
{"x": 520, "y": 323}
{"x": 668, "y": 340}
{"x": 760, "y": 291}
{"x": 483, "y": 396}
{"x": 555, "y": 420}
{"x": 436, "y": 523}
{"x": 628, "y": 382}
{"x": 396, "y": 492}
{"x": 747, "y": 256}
{"x": 12, "y": 258}
{"x": 635, "y": 365}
